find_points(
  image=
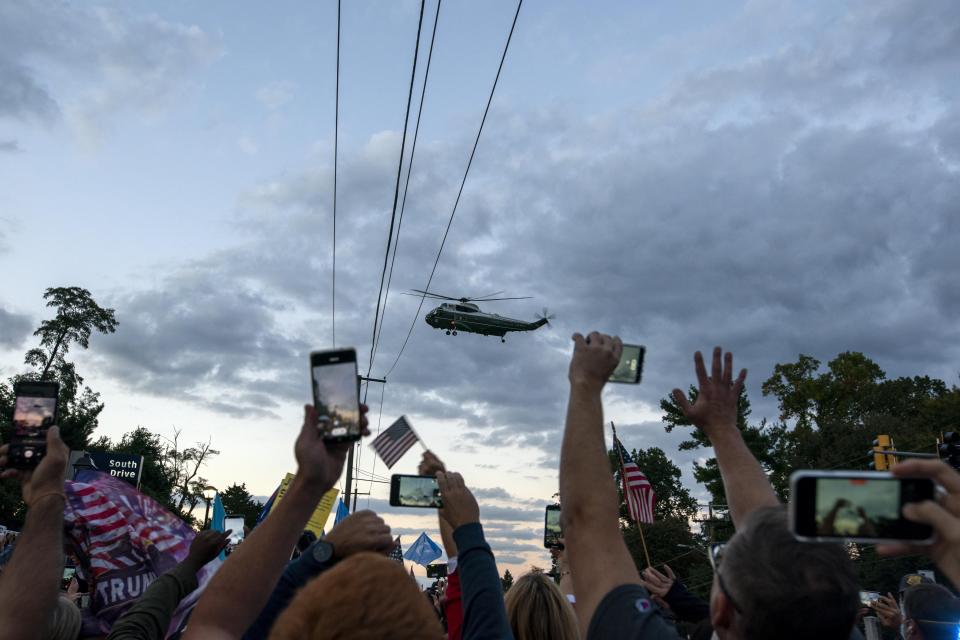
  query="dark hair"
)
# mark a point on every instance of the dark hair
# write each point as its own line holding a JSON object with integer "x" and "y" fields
{"x": 785, "y": 588}
{"x": 934, "y": 610}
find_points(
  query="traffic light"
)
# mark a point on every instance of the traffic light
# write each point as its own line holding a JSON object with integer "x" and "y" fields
{"x": 949, "y": 449}
{"x": 881, "y": 460}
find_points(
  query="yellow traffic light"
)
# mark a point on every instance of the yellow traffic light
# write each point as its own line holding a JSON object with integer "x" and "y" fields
{"x": 881, "y": 460}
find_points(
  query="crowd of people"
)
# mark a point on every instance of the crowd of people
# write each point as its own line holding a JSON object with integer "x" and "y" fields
{"x": 767, "y": 584}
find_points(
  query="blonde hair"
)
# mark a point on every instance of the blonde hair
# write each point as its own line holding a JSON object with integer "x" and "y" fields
{"x": 537, "y": 610}
{"x": 365, "y": 596}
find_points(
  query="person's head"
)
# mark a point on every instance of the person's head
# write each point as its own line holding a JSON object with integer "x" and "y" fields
{"x": 65, "y": 621}
{"x": 365, "y": 596}
{"x": 537, "y": 610}
{"x": 769, "y": 585}
{"x": 930, "y": 612}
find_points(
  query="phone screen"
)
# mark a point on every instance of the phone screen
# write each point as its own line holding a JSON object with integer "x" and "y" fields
{"x": 335, "y": 393}
{"x": 869, "y": 598}
{"x": 630, "y": 367}
{"x": 34, "y": 411}
{"x": 860, "y": 506}
{"x": 234, "y": 524}
{"x": 551, "y": 528}
{"x": 415, "y": 491}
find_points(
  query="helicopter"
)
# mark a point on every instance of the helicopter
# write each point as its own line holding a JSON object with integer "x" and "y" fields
{"x": 463, "y": 314}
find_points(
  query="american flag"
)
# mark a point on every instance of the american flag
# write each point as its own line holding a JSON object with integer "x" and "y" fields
{"x": 637, "y": 490}
{"x": 397, "y": 553}
{"x": 395, "y": 441}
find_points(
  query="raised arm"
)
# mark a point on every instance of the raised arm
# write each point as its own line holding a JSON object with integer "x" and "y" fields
{"x": 38, "y": 558}
{"x": 484, "y": 614}
{"x": 715, "y": 413}
{"x": 242, "y": 586}
{"x": 430, "y": 465}
{"x": 596, "y": 553}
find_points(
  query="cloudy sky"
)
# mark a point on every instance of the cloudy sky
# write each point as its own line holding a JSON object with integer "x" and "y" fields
{"x": 775, "y": 176}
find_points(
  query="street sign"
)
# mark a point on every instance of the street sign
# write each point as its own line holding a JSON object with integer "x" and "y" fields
{"x": 122, "y": 466}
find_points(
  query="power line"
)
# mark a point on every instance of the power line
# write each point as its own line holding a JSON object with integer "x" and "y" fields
{"x": 396, "y": 191}
{"x": 460, "y": 192}
{"x": 336, "y": 131}
{"x": 406, "y": 186}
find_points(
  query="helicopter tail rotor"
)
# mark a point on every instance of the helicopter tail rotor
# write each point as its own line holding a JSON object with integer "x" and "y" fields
{"x": 545, "y": 316}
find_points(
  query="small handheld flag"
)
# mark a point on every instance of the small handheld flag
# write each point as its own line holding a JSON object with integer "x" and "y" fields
{"x": 342, "y": 512}
{"x": 637, "y": 490}
{"x": 395, "y": 441}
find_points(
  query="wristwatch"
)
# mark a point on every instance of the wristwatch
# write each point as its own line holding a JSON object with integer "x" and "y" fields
{"x": 323, "y": 552}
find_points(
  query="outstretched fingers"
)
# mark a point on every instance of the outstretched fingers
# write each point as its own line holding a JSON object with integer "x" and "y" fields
{"x": 701, "y": 370}
{"x": 681, "y": 399}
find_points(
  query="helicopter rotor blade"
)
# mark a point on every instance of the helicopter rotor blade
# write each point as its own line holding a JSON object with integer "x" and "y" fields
{"x": 489, "y": 295}
{"x": 495, "y": 299}
{"x": 430, "y": 294}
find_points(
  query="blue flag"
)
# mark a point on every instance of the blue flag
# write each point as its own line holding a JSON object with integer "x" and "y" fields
{"x": 218, "y": 522}
{"x": 342, "y": 512}
{"x": 423, "y": 551}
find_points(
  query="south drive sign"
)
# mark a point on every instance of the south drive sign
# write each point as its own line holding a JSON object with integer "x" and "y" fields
{"x": 120, "y": 465}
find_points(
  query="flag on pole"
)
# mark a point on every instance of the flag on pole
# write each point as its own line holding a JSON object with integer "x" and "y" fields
{"x": 637, "y": 490}
{"x": 219, "y": 521}
{"x": 423, "y": 551}
{"x": 342, "y": 512}
{"x": 123, "y": 540}
{"x": 397, "y": 553}
{"x": 395, "y": 441}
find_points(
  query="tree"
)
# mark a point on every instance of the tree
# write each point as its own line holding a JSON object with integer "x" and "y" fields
{"x": 171, "y": 473}
{"x": 154, "y": 479}
{"x": 507, "y": 580}
{"x": 237, "y": 500}
{"x": 78, "y": 407}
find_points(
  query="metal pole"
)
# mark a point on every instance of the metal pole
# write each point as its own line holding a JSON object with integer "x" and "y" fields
{"x": 206, "y": 516}
{"x": 349, "y": 483}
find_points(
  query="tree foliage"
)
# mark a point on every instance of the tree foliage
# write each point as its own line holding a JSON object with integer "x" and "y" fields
{"x": 78, "y": 407}
{"x": 237, "y": 500}
{"x": 507, "y": 580}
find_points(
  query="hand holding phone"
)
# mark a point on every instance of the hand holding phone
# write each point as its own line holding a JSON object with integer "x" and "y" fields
{"x": 630, "y": 368}
{"x": 942, "y": 516}
{"x": 34, "y": 411}
{"x": 47, "y": 478}
{"x": 336, "y": 394}
{"x": 415, "y": 491}
{"x": 858, "y": 506}
{"x": 459, "y": 505}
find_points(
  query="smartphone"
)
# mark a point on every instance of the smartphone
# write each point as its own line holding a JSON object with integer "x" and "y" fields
{"x": 630, "y": 367}
{"x": 34, "y": 411}
{"x": 415, "y": 491}
{"x": 68, "y": 573}
{"x": 869, "y": 598}
{"x": 336, "y": 394}
{"x": 856, "y": 506}
{"x": 551, "y": 528}
{"x": 234, "y": 524}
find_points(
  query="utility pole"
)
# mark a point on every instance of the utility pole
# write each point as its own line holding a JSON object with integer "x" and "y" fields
{"x": 349, "y": 483}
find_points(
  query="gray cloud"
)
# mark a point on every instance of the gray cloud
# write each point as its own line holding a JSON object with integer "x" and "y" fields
{"x": 9, "y": 146}
{"x": 804, "y": 200}
{"x": 124, "y": 60}
{"x": 14, "y": 328}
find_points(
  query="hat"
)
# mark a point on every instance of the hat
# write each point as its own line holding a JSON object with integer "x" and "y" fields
{"x": 912, "y": 580}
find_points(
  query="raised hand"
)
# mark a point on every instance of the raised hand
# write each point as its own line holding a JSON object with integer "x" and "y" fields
{"x": 716, "y": 405}
{"x": 206, "y": 546}
{"x": 594, "y": 359}
{"x": 943, "y": 516}
{"x": 360, "y": 531}
{"x": 430, "y": 464}
{"x": 459, "y": 505}
{"x": 47, "y": 478}
{"x": 659, "y": 584}
{"x": 888, "y": 611}
{"x": 319, "y": 464}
